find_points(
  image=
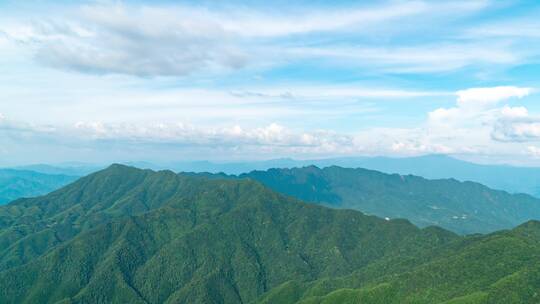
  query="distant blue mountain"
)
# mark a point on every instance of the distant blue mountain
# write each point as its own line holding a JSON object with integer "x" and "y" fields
{"x": 23, "y": 183}
{"x": 72, "y": 169}
{"x": 508, "y": 178}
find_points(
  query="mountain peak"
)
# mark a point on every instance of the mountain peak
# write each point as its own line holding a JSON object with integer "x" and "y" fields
{"x": 118, "y": 166}
{"x": 529, "y": 225}
{"x": 119, "y": 170}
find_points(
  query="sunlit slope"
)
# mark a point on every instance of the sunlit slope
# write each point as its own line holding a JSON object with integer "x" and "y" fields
{"x": 463, "y": 207}
{"x": 136, "y": 236}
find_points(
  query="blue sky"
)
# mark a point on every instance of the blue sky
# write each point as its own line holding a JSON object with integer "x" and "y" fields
{"x": 104, "y": 81}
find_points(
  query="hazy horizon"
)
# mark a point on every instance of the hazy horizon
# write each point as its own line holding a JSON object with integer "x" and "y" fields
{"x": 331, "y": 160}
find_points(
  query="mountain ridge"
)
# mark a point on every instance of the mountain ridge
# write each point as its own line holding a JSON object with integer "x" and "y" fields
{"x": 463, "y": 207}
{"x": 214, "y": 199}
{"x": 126, "y": 235}
{"x": 513, "y": 179}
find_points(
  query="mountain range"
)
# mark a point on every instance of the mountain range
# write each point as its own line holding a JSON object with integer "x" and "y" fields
{"x": 24, "y": 183}
{"x": 462, "y": 207}
{"x": 501, "y": 177}
{"x": 126, "y": 235}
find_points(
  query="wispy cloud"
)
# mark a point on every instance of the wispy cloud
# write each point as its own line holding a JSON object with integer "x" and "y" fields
{"x": 467, "y": 128}
{"x": 180, "y": 40}
{"x": 427, "y": 58}
{"x": 517, "y": 27}
{"x": 247, "y": 79}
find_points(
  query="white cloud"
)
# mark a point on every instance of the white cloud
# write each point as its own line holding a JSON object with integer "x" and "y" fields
{"x": 23, "y": 128}
{"x": 176, "y": 40}
{"x": 478, "y": 106}
{"x": 241, "y": 21}
{"x": 517, "y": 129}
{"x": 181, "y": 133}
{"x": 114, "y": 99}
{"x": 478, "y": 111}
{"x": 534, "y": 151}
{"x": 97, "y": 139}
{"x": 484, "y": 97}
{"x": 416, "y": 148}
{"x": 139, "y": 41}
{"x": 259, "y": 24}
{"x": 263, "y": 142}
{"x": 211, "y": 110}
{"x": 333, "y": 92}
{"x": 424, "y": 58}
{"x": 495, "y": 129}
{"x": 445, "y": 115}
{"x": 481, "y": 124}
{"x": 528, "y": 27}
{"x": 514, "y": 112}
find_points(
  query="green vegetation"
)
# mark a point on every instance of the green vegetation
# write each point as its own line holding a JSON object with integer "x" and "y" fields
{"x": 497, "y": 268}
{"x": 124, "y": 235}
{"x": 462, "y": 207}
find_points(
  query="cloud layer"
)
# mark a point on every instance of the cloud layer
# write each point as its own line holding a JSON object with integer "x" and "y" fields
{"x": 178, "y": 40}
{"x": 117, "y": 79}
{"x": 480, "y": 117}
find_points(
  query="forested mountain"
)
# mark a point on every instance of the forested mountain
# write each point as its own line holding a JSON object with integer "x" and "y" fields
{"x": 499, "y": 268}
{"x": 124, "y": 235}
{"x": 501, "y": 177}
{"x": 23, "y": 183}
{"x": 463, "y": 207}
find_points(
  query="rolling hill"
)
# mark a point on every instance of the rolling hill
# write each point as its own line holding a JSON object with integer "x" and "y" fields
{"x": 125, "y": 235}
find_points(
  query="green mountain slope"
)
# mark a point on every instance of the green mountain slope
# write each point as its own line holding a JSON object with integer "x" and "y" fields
{"x": 498, "y": 268}
{"x": 22, "y": 183}
{"x": 124, "y": 235}
{"x": 132, "y": 236}
{"x": 463, "y": 207}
